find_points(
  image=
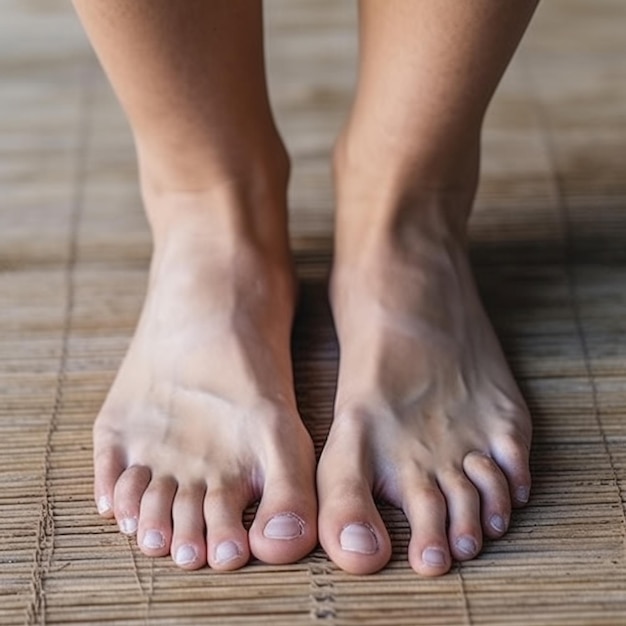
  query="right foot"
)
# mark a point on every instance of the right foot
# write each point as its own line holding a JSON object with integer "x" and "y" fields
{"x": 202, "y": 420}
{"x": 428, "y": 416}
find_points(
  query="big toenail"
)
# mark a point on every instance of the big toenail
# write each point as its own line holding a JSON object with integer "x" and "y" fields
{"x": 358, "y": 538}
{"x": 497, "y": 523}
{"x": 128, "y": 525}
{"x": 153, "y": 540}
{"x": 522, "y": 494}
{"x": 104, "y": 505}
{"x": 226, "y": 551}
{"x": 434, "y": 557}
{"x": 466, "y": 545}
{"x": 284, "y": 526}
{"x": 185, "y": 555}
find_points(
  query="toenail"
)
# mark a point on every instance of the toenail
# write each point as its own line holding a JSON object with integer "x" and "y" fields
{"x": 185, "y": 555}
{"x": 434, "y": 557}
{"x": 128, "y": 525}
{"x": 153, "y": 540}
{"x": 104, "y": 505}
{"x": 497, "y": 523}
{"x": 284, "y": 526}
{"x": 522, "y": 494}
{"x": 226, "y": 551}
{"x": 358, "y": 538}
{"x": 466, "y": 545}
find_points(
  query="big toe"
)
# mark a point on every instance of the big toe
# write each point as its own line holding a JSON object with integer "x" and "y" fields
{"x": 351, "y": 530}
{"x": 285, "y": 526}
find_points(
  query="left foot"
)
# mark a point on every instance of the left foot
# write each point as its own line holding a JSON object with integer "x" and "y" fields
{"x": 202, "y": 419}
{"x": 427, "y": 415}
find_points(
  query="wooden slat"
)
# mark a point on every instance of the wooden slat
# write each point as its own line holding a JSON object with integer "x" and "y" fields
{"x": 549, "y": 245}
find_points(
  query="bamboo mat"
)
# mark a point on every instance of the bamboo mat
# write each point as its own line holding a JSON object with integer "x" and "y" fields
{"x": 549, "y": 246}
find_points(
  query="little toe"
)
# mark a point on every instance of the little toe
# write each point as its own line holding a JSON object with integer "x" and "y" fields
{"x": 493, "y": 488}
{"x": 127, "y": 495}
{"x": 285, "y": 526}
{"x": 154, "y": 534}
{"x": 511, "y": 453}
{"x": 109, "y": 463}
{"x": 425, "y": 508}
{"x": 464, "y": 520}
{"x": 351, "y": 530}
{"x": 227, "y": 540}
{"x": 188, "y": 540}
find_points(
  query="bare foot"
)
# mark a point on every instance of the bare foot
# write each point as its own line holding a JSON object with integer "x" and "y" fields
{"x": 427, "y": 416}
{"x": 201, "y": 420}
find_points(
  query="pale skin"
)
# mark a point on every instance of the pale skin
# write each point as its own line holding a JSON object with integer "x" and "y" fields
{"x": 202, "y": 420}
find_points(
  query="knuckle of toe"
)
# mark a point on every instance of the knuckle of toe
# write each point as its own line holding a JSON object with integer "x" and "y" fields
{"x": 466, "y": 489}
{"x": 219, "y": 495}
{"x": 479, "y": 462}
{"x": 430, "y": 496}
{"x": 355, "y": 416}
{"x": 519, "y": 424}
{"x": 514, "y": 445}
{"x": 455, "y": 483}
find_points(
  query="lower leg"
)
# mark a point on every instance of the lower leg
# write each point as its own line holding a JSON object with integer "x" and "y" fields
{"x": 192, "y": 84}
{"x": 202, "y": 419}
{"x": 427, "y": 413}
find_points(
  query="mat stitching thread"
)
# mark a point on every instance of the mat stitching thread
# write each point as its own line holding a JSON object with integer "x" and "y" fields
{"x": 146, "y": 595}
{"x": 464, "y": 598}
{"x": 322, "y": 590}
{"x": 572, "y": 287}
{"x": 44, "y": 548}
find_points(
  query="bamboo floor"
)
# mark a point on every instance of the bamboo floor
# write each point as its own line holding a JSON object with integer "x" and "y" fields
{"x": 549, "y": 249}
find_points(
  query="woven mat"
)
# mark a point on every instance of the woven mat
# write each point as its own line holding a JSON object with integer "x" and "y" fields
{"x": 549, "y": 247}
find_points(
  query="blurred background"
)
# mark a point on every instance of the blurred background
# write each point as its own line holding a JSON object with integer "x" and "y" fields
{"x": 549, "y": 248}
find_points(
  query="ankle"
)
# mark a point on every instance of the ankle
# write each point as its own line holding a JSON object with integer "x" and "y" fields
{"x": 247, "y": 204}
{"x": 388, "y": 196}
{"x": 431, "y": 158}
{"x": 389, "y": 164}
{"x": 197, "y": 167}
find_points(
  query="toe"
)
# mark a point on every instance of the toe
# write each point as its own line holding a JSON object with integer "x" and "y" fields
{"x": 227, "y": 541}
{"x": 351, "y": 530}
{"x": 464, "y": 521}
{"x": 154, "y": 534}
{"x": 493, "y": 488}
{"x": 425, "y": 508}
{"x": 285, "y": 526}
{"x": 511, "y": 453}
{"x": 127, "y": 495}
{"x": 109, "y": 463}
{"x": 188, "y": 539}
